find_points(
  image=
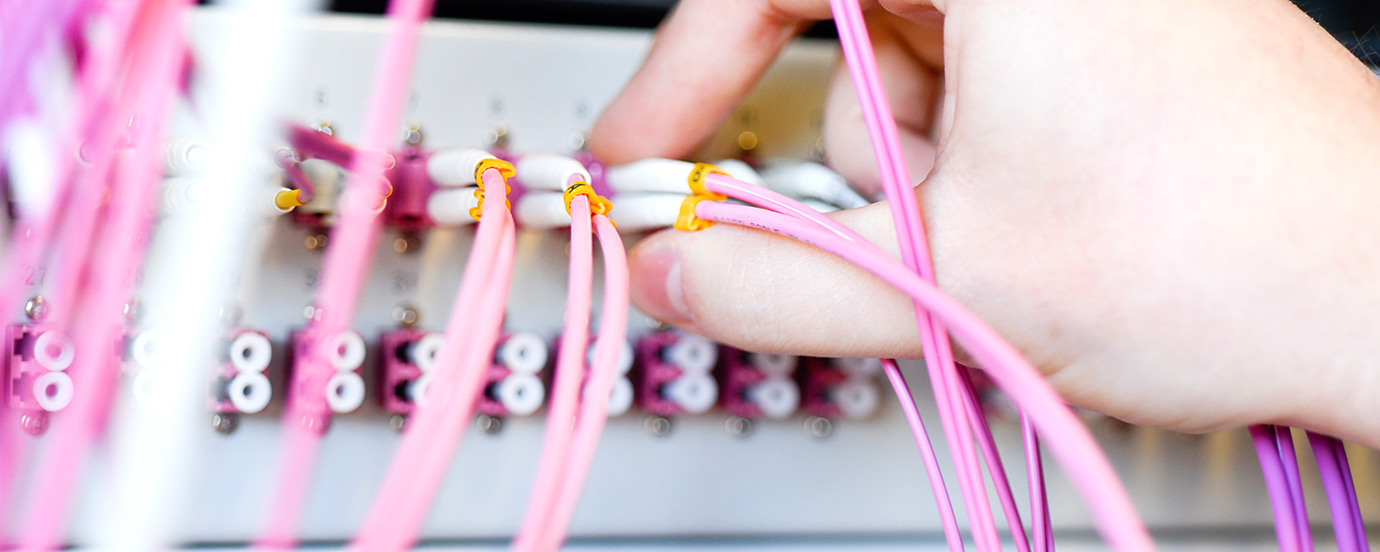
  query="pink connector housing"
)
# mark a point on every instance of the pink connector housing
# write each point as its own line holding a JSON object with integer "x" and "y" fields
{"x": 817, "y": 377}
{"x": 654, "y": 373}
{"x": 406, "y": 208}
{"x": 526, "y": 388}
{"x": 397, "y": 372}
{"x": 35, "y": 369}
{"x": 488, "y": 403}
{"x": 736, "y": 375}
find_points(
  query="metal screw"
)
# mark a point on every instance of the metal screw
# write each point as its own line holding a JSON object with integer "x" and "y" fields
{"x": 324, "y": 126}
{"x": 406, "y": 315}
{"x": 309, "y": 312}
{"x": 497, "y": 136}
{"x": 747, "y": 140}
{"x": 817, "y": 153}
{"x": 413, "y": 135}
{"x": 407, "y": 243}
{"x": 398, "y": 422}
{"x": 657, "y": 325}
{"x": 316, "y": 423}
{"x": 285, "y": 157}
{"x": 35, "y": 423}
{"x": 225, "y": 423}
{"x": 488, "y": 424}
{"x": 36, "y": 308}
{"x": 818, "y": 427}
{"x": 230, "y": 314}
{"x": 316, "y": 241}
{"x": 738, "y": 426}
{"x": 577, "y": 140}
{"x": 657, "y": 426}
{"x": 131, "y": 310}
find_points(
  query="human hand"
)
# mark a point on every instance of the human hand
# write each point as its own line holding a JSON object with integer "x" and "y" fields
{"x": 1168, "y": 206}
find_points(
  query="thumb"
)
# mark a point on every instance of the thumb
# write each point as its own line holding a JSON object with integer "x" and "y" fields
{"x": 763, "y": 292}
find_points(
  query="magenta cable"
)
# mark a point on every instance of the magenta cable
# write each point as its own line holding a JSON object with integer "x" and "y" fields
{"x": 161, "y": 43}
{"x": 922, "y": 439}
{"x": 34, "y": 231}
{"x": 436, "y": 427}
{"x": 613, "y": 327}
{"x": 1070, "y": 441}
{"x": 457, "y": 412}
{"x": 22, "y": 44}
{"x": 1329, "y": 469}
{"x": 343, "y": 272}
{"x": 910, "y": 233}
{"x": 781, "y": 204}
{"x": 569, "y": 377}
{"x": 992, "y": 458}
{"x": 1289, "y": 459}
{"x": 1281, "y": 502}
{"x": 1042, "y": 530}
{"x": 1349, "y": 487}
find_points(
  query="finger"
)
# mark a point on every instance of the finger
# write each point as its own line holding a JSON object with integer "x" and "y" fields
{"x": 766, "y": 293}
{"x": 707, "y": 56}
{"x": 907, "y": 58}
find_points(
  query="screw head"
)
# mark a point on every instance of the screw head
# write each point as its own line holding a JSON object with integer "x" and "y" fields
{"x": 225, "y": 423}
{"x": 406, "y": 315}
{"x": 488, "y": 424}
{"x": 310, "y": 312}
{"x": 658, "y": 426}
{"x": 407, "y": 243}
{"x": 577, "y": 140}
{"x": 315, "y": 241}
{"x": 738, "y": 426}
{"x": 36, "y": 308}
{"x": 413, "y": 134}
{"x": 324, "y": 126}
{"x": 398, "y": 422}
{"x": 497, "y": 136}
{"x": 34, "y": 423}
{"x": 818, "y": 427}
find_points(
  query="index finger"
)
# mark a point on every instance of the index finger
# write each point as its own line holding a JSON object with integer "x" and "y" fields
{"x": 707, "y": 56}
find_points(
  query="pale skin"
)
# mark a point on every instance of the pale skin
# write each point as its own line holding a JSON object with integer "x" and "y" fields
{"x": 1171, "y": 207}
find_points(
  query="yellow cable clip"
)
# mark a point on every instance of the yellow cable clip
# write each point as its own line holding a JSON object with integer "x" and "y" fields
{"x": 687, "y": 220}
{"x": 505, "y": 169}
{"x": 287, "y": 199}
{"x": 598, "y": 205}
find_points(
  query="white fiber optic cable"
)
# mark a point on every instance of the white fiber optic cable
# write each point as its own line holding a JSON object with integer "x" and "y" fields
{"x": 455, "y": 167}
{"x": 184, "y": 157}
{"x": 650, "y": 175}
{"x": 541, "y": 211}
{"x": 636, "y": 212}
{"x": 451, "y": 207}
{"x": 811, "y": 181}
{"x": 741, "y": 171}
{"x": 548, "y": 171}
{"x": 240, "y": 68}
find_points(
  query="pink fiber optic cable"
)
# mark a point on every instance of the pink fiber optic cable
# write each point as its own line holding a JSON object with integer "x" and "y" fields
{"x": 437, "y": 427}
{"x": 988, "y": 446}
{"x": 1284, "y": 442}
{"x": 613, "y": 326}
{"x": 343, "y": 273}
{"x": 1092, "y": 475}
{"x": 33, "y": 231}
{"x": 1349, "y": 487}
{"x": 160, "y": 41}
{"x": 910, "y": 234}
{"x": 1341, "y": 498}
{"x": 23, "y": 40}
{"x": 922, "y": 438}
{"x": 570, "y": 371}
{"x": 778, "y": 203}
{"x": 1042, "y": 531}
{"x": 1281, "y": 503}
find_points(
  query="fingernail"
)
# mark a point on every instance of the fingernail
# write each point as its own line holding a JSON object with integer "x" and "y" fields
{"x": 656, "y": 285}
